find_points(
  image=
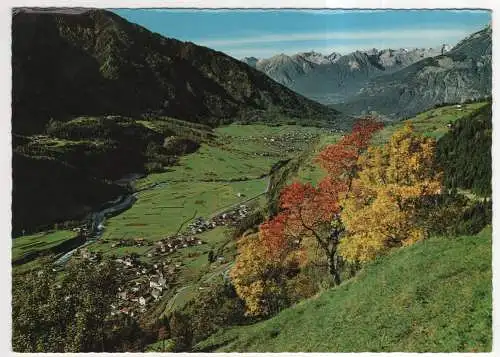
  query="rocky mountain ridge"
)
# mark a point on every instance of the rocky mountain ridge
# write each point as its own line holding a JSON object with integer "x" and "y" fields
{"x": 462, "y": 74}
{"x": 334, "y": 77}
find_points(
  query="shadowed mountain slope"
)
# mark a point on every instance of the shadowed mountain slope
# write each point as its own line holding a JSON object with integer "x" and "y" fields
{"x": 93, "y": 62}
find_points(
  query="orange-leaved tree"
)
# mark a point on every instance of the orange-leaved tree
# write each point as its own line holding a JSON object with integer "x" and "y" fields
{"x": 340, "y": 159}
{"x": 380, "y": 210}
{"x": 314, "y": 212}
{"x": 265, "y": 263}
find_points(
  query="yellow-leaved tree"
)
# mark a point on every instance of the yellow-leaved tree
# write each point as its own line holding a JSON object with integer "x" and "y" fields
{"x": 264, "y": 265}
{"x": 380, "y": 211}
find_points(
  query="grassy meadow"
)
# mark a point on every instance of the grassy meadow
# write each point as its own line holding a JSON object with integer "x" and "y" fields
{"x": 433, "y": 123}
{"x": 38, "y": 242}
{"x": 207, "y": 181}
{"x": 388, "y": 307}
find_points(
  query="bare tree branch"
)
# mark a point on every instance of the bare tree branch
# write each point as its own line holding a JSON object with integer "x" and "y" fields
{"x": 320, "y": 241}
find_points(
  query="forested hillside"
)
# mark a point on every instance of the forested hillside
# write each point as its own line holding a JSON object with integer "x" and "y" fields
{"x": 465, "y": 153}
{"x": 73, "y": 62}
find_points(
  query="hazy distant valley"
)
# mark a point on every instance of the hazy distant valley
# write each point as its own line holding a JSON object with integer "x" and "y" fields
{"x": 333, "y": 78}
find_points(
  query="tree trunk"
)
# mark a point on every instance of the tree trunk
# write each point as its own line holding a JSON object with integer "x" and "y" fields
{"x": 333, "y": 267}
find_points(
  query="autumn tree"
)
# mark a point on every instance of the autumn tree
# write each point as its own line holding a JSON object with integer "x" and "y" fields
{"x": 340, "y": 160}
{"x": 263, "y": 265}
{"x": 379, "y": 211}
{"x": 316, "y": 211}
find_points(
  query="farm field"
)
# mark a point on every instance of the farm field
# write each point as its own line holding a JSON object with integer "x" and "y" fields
{"x": 217, "y": 176}
{"x": 159, "y": 211}
{"x": 230, "y": 170}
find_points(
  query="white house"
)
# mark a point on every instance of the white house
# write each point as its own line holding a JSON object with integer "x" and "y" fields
{"x": 155, "y": 293}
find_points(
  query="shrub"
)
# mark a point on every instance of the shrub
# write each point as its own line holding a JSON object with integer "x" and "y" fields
{"x": 214, "y": 308}
{"x": 181, "y": 331}
{"x": 248, "y": 222}
{"x": 454, "y": 215}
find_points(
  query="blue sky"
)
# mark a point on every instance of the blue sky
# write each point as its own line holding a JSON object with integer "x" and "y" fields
{"x": 264, "y": 33}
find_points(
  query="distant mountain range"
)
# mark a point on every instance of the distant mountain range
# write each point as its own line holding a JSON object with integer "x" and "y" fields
{"x": 462, "y": 74}
{"x": 335, "y": 77}
{"x": 394, "y": 83}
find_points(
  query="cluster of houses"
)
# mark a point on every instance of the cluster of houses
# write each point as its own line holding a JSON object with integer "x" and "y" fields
{"x": 200, "y": 225}
{"x": 136, "y": 242}
{"x": 174, "y": 243}
{"x": 289, "y": 141}
{"x": 145, "y": 285}
{"x": 292, "y": 141}
{"x": 145, "y": 282}
{"x": 231, "y": 217}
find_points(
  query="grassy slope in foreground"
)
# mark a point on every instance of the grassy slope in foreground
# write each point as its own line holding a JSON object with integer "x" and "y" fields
{"x": 432, "y": 296}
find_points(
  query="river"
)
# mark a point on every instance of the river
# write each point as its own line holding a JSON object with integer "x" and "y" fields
{"x": 113, "y": 208}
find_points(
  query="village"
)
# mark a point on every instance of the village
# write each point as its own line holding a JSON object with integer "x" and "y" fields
{"x": 146, "y": 283}
{"x": 281, "y": 143}
{"x": 289, "y": 141}
{"x": 154, "y": 273}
